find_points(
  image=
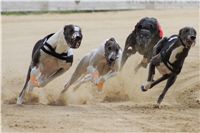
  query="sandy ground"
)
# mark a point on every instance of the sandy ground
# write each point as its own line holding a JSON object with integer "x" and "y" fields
{"x": 121, "y": 106}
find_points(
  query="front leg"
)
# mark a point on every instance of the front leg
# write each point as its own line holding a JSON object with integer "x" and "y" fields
{"x": 143, "y": 64}
{"x": 169, "y": 83}
{"x": 45, "y": 80}
{"x": 105, "y": 77}
{"x": 150, "y": 77}
{"x": 129, "y": 49}
{"x": 149, "y": 85}
{"x": 154, "y": 62}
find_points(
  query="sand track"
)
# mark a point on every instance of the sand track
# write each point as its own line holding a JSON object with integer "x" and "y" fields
{"x": 121, "y": 107}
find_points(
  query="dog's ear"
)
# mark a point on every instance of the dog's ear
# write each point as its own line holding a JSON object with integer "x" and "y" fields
{"x": 180, "y": 31}
{"x": 68, "y": 29}
{"x": 160, "y": 30}
{"x": 139, "y": 24}
{"x": 112, "y": 39}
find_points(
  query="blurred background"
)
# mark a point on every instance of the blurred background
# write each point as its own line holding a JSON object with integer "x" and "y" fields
{"x": 93, "y": 5}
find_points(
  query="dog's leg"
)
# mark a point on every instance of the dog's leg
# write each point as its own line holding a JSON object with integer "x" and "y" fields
{"x": 44, "y": 80}
{"x": 143, "y": 63}
{"x": 73, "y": 79}
{"x": 128, "y": 51}
{"x": 22, "y": 93}
{"x": 150, "y": 77}
{"x": 151, "y": 72}
{"x": 150, "y": 85}
{"x": 31, "y": 82}
{"x": 80, "y": 70}
{"x": 169, "y": 83}
{"x": 85, "y": 79}
{"x": 100, "y": 82}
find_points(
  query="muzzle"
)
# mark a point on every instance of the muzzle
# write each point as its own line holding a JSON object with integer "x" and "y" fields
{"x": 190, "y": 41}
{"x": 144, "y": 37}
{"x": 111, "y": 58}
{"x": 76, "y": 40}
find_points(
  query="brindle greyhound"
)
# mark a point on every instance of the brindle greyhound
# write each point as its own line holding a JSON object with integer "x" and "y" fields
{"x": 51, "y": 57}
{"x": 143, "y": 38}
{"x": 97, "y": 66}
{"x": 169, "y": 55}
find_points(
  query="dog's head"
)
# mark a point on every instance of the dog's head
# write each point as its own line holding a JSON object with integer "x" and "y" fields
{"x": 111, "y": 51}
{"x": 187, "y": 36}
{"x": 73, "y": 35}
{"x": 146, "y": 30}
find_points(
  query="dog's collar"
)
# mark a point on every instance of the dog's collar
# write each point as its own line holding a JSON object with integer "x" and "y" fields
{"x": 181, "y": 41}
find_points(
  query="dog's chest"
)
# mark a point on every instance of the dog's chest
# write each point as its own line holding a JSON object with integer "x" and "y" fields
{"x": 102, "y": 67}
{"x": 174, "y": 53}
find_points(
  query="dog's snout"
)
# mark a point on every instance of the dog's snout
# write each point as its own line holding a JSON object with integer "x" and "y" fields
{"x": 112, "y": 59}
{"x": 78, "y": 38}
{"x": 192, "y": 37}
{"x": 141, "y": 35}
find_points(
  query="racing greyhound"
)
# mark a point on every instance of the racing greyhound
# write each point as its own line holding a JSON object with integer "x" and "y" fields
{"x": 51, "y": 57}
{"x": 168, "y": 57}
{"x": 97, "y": 66}
{"x": 143, "y": 38}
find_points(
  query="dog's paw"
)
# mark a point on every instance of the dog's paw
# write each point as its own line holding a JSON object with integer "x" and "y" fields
{"x": 19, "y": 101}
{"x": 143, "y": 88}
{"x": 156, "y": 106}
{"x": 146, "y": 86}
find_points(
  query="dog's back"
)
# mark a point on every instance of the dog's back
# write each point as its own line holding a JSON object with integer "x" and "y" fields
{"x": 36, "y": 52}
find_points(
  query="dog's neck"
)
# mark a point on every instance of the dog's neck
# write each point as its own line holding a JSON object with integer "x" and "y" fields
{"x": 101, "y": 50}
{"x": 179, "y": 50}
{"x": 58, "y": 42}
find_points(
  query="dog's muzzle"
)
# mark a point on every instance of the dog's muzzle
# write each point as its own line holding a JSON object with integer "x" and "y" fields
{"x": 143, "y": 37}
{"x": 76, "y": 40}
{"x": 111, "y": 58}
{"x": 190, "y": 41}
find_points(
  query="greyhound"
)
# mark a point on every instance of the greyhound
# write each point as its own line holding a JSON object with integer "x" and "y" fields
{"x": 168, "y": 57}
{"x": 51, "y": 57}
{"x": 97, "y": 66}
{"x": 143, "y": 38}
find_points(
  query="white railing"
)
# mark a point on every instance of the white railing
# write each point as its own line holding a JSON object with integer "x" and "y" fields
{"x": 81, "y": 5}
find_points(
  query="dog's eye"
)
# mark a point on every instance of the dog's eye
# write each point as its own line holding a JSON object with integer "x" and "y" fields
{"x": 151, "y": 26}
{"x": 71, "y": 31}
{"x": 117, "y": 50}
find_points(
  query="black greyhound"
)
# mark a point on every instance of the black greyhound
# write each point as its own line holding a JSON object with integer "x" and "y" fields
{"x": 168, "y": 57}
{"x": 143, "y": 38}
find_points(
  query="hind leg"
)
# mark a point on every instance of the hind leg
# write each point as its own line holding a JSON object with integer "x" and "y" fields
{"x": 31, "y": 82}
{"x": 27, "y": 89}
{"x": 20, "y": 99}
